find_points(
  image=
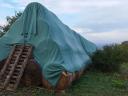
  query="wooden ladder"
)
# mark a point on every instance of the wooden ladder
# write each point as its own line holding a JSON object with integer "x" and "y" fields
{"x": 14, "y": 66}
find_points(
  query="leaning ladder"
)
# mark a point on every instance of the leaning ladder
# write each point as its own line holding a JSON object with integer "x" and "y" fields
{"x": 14, "y": 66}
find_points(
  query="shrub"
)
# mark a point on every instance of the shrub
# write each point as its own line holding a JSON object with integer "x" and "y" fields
{"x": 119, "y": 83}
{"x": 110, "y": 58}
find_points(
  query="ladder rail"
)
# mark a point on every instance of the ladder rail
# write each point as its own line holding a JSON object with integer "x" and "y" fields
{"x": 6, "y": 63}
{"x": 22, "y": 69}
{"x": 13, "y": 68}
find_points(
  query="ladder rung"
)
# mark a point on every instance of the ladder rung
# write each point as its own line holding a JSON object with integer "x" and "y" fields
{"x": 21, "y": 60}
{"x": 6, "y": 72}
{"x": 24, "y": 52}
{"x": 15, "y": 66}
{"x": 24, "y": 56}
{"x": 16, "y": 53}
{"x": 17, "y": 69}
{"x": 17, "y": 49}
{"x": 12, "y": 62}
{"x": 14, "y": 76}
{"x": 14, "y": 56}
{"x": 1, "y": 86}
{"x": 10, "y": 65}
{"x": 19, "y": 66}
{"x": 7, "y": 69}
{"x": 13, "y": 59}
{"x": 17, "y": 46}
{"x": 27, "y": 47}
{"x": 12, "y": 81}
{"x": 10, "y": 85}
{"x": 1, "y": 81}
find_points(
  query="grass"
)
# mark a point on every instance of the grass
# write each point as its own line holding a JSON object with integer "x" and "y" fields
{"x": 99, "y": 84}
{"x": 90, "y": 84}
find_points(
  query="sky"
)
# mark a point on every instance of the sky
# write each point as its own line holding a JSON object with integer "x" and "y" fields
{"x": 100, "y": 21}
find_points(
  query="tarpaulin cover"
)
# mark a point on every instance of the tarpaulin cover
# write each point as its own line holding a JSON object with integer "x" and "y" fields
{"x": 57, "y": 48}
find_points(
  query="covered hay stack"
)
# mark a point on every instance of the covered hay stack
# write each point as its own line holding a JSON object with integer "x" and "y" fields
{"x": 33, "y": 77}
{"x": 62, "y": 54}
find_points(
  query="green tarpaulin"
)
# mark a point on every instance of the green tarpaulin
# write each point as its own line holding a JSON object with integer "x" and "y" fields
{"x": 57, "y": 48}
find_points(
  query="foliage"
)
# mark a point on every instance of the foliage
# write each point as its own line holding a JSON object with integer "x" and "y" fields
{"x": 10, "y": 21}
{"x": 1, "y": 32}
{"x": 124, "y": 71}
{"x": 110, "y": 58}
{"x": 119, "y": 83}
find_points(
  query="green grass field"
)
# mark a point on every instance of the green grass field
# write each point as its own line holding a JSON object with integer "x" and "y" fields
{"x": 90, "y": 84}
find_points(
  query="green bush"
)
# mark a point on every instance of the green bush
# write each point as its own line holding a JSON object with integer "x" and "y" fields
{"x": 110, "y": 58}
{"x": 119, "y": 83}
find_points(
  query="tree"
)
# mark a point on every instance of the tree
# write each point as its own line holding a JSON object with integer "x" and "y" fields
{"x": 1, "y": 31}
{"x": 10, "y": 20}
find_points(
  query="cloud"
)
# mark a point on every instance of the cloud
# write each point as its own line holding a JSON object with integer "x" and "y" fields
{"x": 101, "y": 21}
{"x": 6, "y": 5}
{"x": 65, "y": 6}
{"x": 77, "y": 6}
{"x": 2, "y": 22}
{"x": 102, "y": 38}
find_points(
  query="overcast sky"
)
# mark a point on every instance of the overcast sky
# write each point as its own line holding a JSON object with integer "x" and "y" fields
{"x": 101, "y": 21}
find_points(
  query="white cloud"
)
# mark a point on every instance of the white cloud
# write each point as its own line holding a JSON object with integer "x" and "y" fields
{"x": 92, "y": 14}
{"x": 69, "y": 6}
{"x": 2, "y": 22}
{"x": 102, "y": 38}
{"x": 76, "y": 6}
{"x": 109, "y": 37}
{"x": 6, "y": 5}
{"x": 82, "y": 30}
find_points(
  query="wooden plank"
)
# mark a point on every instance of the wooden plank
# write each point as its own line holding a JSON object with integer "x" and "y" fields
{"x": 6, "y": 63}
{"x": 24, "y": 65}
{"x": 20, "y": 68}
{"x": 13, "y": 68}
